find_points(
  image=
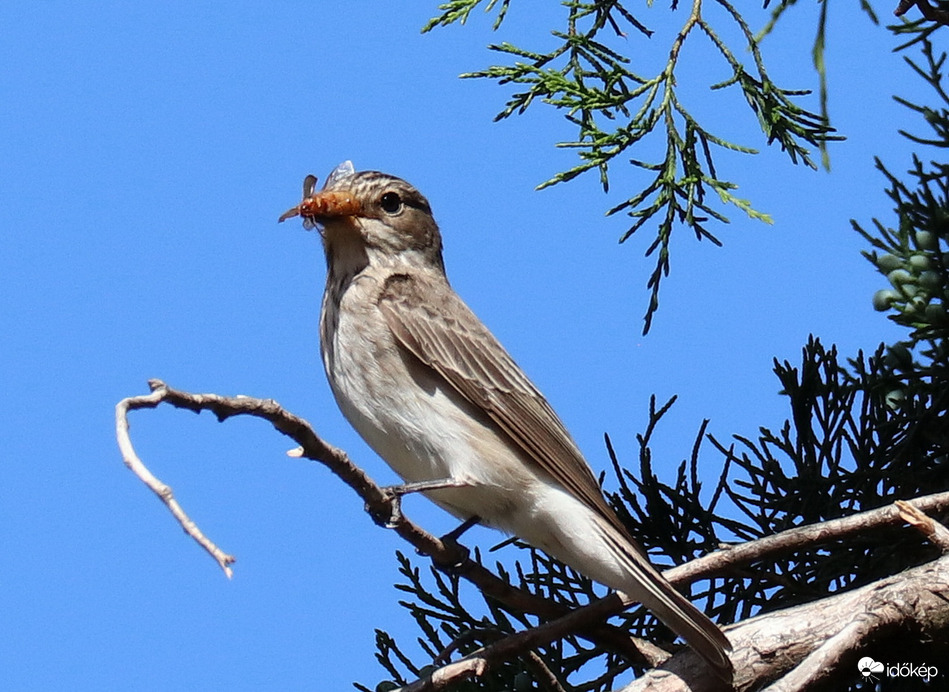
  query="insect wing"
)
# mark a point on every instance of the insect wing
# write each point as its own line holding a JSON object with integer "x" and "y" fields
{"x": 309, "y": 186}
{"x": 343, "y": 170}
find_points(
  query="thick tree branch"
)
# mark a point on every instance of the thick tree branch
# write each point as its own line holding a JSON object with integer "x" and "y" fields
{"x": 795, "y": 648}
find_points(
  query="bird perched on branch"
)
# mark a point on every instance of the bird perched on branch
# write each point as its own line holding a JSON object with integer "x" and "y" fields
{"x": 433, "y": 392}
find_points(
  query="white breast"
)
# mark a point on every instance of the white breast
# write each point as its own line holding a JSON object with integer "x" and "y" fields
{"x": 417, "y": 423}
{"x": 425, "y": 430}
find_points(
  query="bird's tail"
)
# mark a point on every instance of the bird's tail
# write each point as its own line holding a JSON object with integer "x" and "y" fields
{"x": 652, "y": 590}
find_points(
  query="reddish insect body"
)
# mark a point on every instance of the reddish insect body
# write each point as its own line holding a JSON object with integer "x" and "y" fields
{"x": 322, "y": 203}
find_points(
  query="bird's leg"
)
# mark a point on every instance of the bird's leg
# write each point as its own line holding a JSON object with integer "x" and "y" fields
{"x": 395, "y": 493}
{"x": 453, "y": 535}
{"x": 424, "y": 486}
{"x": 451, "y": 540}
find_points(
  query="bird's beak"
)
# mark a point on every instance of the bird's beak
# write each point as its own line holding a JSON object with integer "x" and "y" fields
{"x": 325, "y": 204}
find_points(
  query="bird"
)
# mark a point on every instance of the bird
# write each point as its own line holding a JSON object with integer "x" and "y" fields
{"x": 434, "y": 393}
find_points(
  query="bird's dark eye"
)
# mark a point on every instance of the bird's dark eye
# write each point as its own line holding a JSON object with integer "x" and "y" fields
{"x": 391, "y": 203}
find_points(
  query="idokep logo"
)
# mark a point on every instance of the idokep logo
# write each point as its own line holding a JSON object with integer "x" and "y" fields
{"x": 871, "y": 669}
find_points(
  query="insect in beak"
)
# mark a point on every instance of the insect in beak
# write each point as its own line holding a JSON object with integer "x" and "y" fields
{"x": 322, "y": 204}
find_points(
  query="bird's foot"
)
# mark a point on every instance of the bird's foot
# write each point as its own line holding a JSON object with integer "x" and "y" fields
{"x": 394, "y": 494}
{"x": 394, "y": 507}
{"x": 456, "y": 533}
{"x": 461, "y": 553}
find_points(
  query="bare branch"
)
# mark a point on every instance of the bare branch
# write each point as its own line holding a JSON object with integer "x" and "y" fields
{"x": 825, "y": 638}
{"x": 721, "y": 561}
{"x": 444, "y": 555}
{"x": 825, "y": 660}
{"x": 525, "y": 641}
{"x": 688, "y": 668}
{"x": 440, "y": 679}
{"x": 936, "y": 533}
{"x": 543, "y": 673}
{"x": 780, "y": 643}
{"x": 163, "y": 491}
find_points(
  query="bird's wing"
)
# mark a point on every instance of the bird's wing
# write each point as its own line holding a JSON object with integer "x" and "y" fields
{"x": 430, "y": 321}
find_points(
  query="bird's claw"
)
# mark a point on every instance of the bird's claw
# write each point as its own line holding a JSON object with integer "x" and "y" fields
{"x": 394, "y": 498}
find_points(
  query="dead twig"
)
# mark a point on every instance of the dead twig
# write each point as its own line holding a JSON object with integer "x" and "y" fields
{"x": 445, "y": 555}
{"x": 936, "y": 533}
{"x": 163, "y": 491}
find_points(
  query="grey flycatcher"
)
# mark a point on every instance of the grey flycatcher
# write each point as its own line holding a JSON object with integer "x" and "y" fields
{"x": 433, "y": 392}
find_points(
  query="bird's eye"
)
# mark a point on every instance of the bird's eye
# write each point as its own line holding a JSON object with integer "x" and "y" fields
{"x": 391, "y": 203}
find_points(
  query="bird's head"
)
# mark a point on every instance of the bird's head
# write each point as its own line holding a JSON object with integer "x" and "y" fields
{"x": 370, "y": 214}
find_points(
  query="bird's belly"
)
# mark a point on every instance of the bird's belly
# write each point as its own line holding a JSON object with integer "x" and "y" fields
{"x": 425, "y": 430}
{"x": 422, "y": 427}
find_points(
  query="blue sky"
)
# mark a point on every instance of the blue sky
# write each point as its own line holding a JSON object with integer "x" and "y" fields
{"x": 146, "y": 152}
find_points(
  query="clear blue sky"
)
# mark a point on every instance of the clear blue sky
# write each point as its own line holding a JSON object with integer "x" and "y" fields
{"x": 146, "y": 151}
